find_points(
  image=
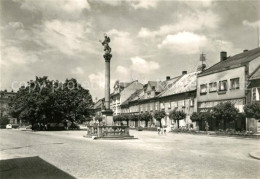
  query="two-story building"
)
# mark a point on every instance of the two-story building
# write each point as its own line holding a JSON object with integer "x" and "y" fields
{"x": 122, "y": 91}
{"x": 254, "y": 87}
{"x": 179, "y": 95}
{"x": 227, "y": 80}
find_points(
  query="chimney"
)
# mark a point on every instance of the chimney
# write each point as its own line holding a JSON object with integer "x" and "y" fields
{"x": 184, "y": 72}
{"x": 168, "y": 77}
{"x": 245, "y": 50}
{"x": 223, "y": 56}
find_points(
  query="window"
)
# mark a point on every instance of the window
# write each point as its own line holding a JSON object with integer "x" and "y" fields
{"x": 168, "y": 105}
{"x": 223, "y": 85}
{"x": 203, "y": 89}
{"x": 192, "y": 102}
{"x": 174, "y": 105}
{"x": 234, "y": 83}
{"x": 148, "y": 94}
{"x": 255, "y": 94}
{"x": 156, "y": 106}
{"x": 162, "y": 105}
{"x": 213, "y": 87}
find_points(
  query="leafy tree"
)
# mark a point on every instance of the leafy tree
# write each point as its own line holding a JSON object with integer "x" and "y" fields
{"x": 158, "y": 115}
{"x": 225, "y": 112}
{"x": 146, "y": 117}
{"x": 4, "y": 121}
{"x": 43, "y": 101}
{"x": 252, "y": 110}
{"x": 200, "y": 117}
{"x": 177, "y": 115}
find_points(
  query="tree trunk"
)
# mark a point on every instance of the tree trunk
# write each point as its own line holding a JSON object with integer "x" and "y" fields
{"x": 178, "y": 124}
{"x": 225, "y": 124}
{"x": 127, "y": 123}
{"x": 146, "y": 123}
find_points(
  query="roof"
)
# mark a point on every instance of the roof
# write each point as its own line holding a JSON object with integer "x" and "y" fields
{"x": 233, "y": 62}
{"x": 135, "y": 95}
{"x": 255, "y": 75}
{"x": 184, "y": 84}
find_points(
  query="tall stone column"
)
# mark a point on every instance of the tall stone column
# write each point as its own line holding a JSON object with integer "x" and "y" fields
{"x": 107, "y": 112}
{"x": 107, "y": 84}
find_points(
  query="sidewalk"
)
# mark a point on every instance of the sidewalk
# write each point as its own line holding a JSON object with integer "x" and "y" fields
{"x": 255, "y": 155}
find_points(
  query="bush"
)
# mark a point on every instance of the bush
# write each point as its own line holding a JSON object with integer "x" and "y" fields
{"x": 252, "y": 110}
{"x": 224, "y": 112}
{"x": 4, "y": 121}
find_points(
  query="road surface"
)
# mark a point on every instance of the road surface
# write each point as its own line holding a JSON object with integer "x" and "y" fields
{"x": 150, "y": 156}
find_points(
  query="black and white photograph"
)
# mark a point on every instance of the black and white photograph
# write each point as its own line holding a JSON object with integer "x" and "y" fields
{"x": 129, "y": 89}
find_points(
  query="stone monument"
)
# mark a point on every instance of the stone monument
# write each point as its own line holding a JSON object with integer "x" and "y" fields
{"x": 107, "y": 112}
{"x": 106, "y": 129}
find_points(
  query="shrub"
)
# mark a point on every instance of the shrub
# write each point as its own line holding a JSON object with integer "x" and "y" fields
{"x": 224, "y": 112}
{"x": 4, "y": 121}
{"x": 252, "y": 110}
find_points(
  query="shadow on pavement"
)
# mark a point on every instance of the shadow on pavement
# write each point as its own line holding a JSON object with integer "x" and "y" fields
{"x": 30, "y": 167}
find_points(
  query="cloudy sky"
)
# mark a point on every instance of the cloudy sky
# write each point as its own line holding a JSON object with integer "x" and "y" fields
{"x": 149, "y": 39}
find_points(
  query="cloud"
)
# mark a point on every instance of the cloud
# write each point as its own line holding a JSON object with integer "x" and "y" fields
{"x": 65, "y": 36}
{"x": 123, "y": 42}
{"x": 77, "y": 71}
{"x": 122, "y": 70}
{"x": 56, "y": 8}
{"x": 251, "y": 24}
{"x": 184, "y": 42}
{"x": 16, "y": 56}
{"x": 144, "y": 4}
{"x": 188, "y": 22}
{"x": 142, "y": 66}
{"x": 97, "y": 80}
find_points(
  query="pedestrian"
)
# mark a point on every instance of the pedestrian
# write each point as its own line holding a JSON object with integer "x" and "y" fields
{"x": 159, "y": 130}
{"x": 164, "y": 130}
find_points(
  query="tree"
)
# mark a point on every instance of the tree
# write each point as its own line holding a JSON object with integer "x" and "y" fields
{"x": 177, "y": 116}
{"x": 252, "y": 110}
{"x": 158, "y": 115}
{"x": 43, "y": 101}
{"x": 200, "y": 117}
{"x": 146, "y": 117}
{"x": 4, "y": 121}
{"x": 225, "y": 112}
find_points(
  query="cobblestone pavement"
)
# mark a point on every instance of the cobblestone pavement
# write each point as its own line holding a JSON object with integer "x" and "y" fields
{"x": 150, "y": 156}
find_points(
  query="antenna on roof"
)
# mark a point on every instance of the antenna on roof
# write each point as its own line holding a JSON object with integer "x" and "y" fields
{"x": 202, "y": 59}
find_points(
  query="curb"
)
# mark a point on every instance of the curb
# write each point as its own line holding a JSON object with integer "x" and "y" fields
{"x": 254, "y": 155}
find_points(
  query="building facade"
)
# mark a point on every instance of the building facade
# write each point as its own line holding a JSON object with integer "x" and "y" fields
{"x": 227, "y": 80}
{"x": 122, "y": 91}
{"x": 180, "y": 95}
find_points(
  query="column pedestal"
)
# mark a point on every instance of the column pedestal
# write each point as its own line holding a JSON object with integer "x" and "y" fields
{"x": 108, "y": 117}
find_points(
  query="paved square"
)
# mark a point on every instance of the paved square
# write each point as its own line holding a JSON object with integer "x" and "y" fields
{"x": 150, "y": 156}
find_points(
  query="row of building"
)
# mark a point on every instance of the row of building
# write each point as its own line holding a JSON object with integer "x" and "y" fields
{"x": 234, "y": 78}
